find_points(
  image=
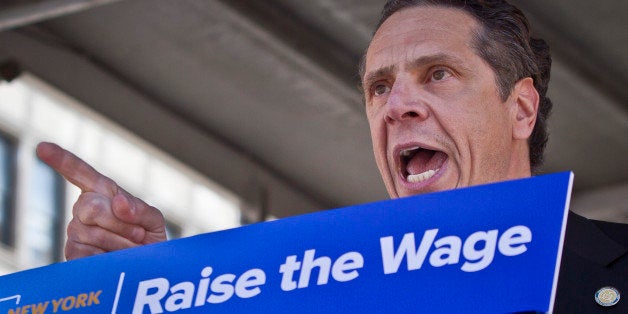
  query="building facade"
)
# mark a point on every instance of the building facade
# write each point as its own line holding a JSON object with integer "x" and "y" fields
{"x": 36, "y": 202}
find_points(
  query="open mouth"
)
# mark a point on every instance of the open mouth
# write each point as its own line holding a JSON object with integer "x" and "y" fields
{"x": 419, "y": 164}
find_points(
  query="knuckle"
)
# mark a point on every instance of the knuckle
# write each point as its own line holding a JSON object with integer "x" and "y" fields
{"x": 108, "y": 183}
{"x": 70, "y": 251}
{"x": 157, "y": 213}
{"x": 89, "y": 206}
{"x": 97, "y": 236}
{"x": 80, "y": 233}
{"x": 73, "y": 230}
{"x": 74, "y": 250}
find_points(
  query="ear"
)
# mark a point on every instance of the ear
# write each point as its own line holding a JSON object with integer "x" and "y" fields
{"x": 525, "y": 99}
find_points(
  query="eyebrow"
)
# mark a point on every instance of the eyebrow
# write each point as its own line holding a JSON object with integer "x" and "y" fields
{"x": 373, "y": 76}
{"x": 442, "y": 58}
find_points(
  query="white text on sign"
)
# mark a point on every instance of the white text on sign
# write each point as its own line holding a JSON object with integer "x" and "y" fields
{"x": 448, "y": 249}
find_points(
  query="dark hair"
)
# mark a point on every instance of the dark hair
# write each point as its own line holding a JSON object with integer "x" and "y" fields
{"x": 504, "y": 42}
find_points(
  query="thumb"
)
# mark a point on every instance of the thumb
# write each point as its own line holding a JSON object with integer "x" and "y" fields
{"x": 134, "y": 211}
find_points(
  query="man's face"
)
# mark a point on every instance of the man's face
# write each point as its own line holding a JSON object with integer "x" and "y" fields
{"x": 437, "y": 120}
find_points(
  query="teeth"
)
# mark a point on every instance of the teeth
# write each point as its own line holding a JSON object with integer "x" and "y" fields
{"x": 408, "y": 152}
{"x": 415, "y": 178}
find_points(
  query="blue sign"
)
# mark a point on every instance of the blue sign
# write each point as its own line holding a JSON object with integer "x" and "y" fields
{"x": 486, "y": 249}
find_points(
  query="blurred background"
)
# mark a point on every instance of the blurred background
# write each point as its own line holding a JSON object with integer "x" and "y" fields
{"x": 230, "y": 112}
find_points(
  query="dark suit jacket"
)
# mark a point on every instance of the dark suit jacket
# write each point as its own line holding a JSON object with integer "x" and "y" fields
{"x": 591, "y": 260}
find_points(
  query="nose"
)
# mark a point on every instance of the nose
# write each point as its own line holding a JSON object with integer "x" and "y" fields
{"x": 405, "y": 103}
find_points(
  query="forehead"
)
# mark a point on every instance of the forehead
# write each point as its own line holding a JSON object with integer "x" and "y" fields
{"x": 420, "y": 31}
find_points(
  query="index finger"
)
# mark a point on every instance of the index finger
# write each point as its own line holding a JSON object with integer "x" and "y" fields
{"x": 75, "y": 170}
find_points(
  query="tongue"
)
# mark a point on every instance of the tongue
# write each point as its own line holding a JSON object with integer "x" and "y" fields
{"x": 425, "y": 160}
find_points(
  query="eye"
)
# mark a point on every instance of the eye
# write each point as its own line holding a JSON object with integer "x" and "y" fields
{"x": 439, "y": 75}
{"x": 380, "y": 89}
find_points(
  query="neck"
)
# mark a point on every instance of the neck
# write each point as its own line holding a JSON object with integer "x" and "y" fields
{"x": 520, "y": 161}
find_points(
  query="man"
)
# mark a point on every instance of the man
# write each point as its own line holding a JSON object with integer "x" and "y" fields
{"x": 455, "y": 96}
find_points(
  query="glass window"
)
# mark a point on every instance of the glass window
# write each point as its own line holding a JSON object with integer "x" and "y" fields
{"x": 44, "y": 216}
{"x": 34, "y": 111}
{"x": 7, "y": 157}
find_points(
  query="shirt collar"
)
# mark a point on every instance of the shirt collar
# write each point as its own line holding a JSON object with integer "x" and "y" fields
{"x": 587, "y": 240}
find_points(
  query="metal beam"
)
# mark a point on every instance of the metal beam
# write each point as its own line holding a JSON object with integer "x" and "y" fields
{"x": 22, "y": 15}
{"x": 310, "y": 41}
{"x": 109, "y": 95}
{"x": 589, "y": 62}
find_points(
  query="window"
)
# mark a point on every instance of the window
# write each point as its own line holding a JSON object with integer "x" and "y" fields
{"x": 7, "y": 179}
{"x": 44, "y": 216}
{"x": 33, "y": 206}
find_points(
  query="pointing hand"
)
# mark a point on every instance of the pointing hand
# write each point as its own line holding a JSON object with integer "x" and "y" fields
{"x": 105, "y": 217}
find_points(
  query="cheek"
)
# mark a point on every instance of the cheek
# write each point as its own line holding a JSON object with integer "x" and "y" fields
{"x": 474, "y": 127}
{"x": 378, "y": 138}
{"x": 375, "y": 125}
{"x": 488, "y": 137}
{"x": 494, "y": 123}
{"x": 479, "y": 111}
{"x": 487, "y": 129}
